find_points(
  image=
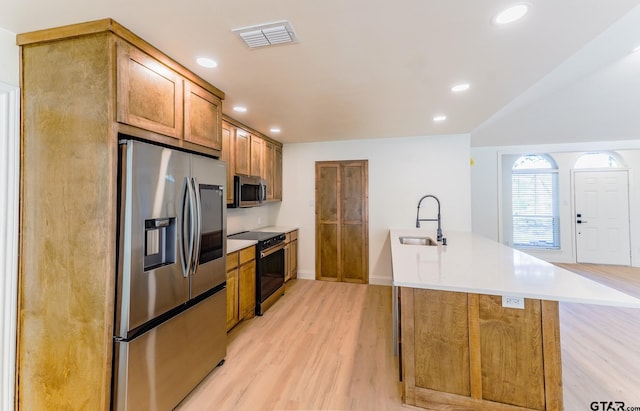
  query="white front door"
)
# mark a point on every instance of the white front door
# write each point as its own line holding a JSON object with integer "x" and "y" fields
{"x": 602, "y": 217}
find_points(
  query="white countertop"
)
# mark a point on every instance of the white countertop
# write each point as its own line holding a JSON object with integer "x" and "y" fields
{"x": 474, "y": 264}
{"x": 276, "y": 229}
{"x": 235, "y": 245}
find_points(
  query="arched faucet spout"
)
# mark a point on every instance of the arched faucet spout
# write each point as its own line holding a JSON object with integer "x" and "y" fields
{"x": 418, "y": 219}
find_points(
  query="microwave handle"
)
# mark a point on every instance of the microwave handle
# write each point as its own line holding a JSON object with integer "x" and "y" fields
{"x": 263, "y": 192}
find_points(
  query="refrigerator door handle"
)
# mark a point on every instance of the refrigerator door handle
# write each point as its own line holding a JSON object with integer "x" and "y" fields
{"x": 187, "y": 248}
{"x": 198, "y": 226}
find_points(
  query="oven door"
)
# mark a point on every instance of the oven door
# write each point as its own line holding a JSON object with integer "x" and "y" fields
{"x": 270, "y": 271}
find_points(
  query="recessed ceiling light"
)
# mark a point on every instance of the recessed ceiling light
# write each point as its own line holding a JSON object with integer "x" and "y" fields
{"x": 275, "y": 130}
{"x": 460, "y": 87}
{"x": 439, "y": 118}
{"x": 240, "y": 109}
{"x": 511, "y": 14}
{"x": 207, "y": 62}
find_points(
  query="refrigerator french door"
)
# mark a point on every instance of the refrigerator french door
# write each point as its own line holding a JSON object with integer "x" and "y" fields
{"x": 170, "y": 311}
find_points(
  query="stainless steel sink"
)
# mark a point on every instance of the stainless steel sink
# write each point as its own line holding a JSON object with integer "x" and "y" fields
{"x": 417, "y": 241}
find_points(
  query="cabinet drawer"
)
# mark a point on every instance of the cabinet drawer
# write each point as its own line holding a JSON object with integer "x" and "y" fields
{"x": 292, "y": 235}
{"x": 247, "y": 254}
{"x": 232, "y": 260}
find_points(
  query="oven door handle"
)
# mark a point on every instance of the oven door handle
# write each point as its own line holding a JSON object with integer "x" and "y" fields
{"x": 269, "y": 251}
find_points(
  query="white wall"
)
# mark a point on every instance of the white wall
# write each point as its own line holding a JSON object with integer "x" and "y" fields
{"x": 592, "y": 96}
{"x": 401, "y": 170}
{"x": 244, "y": 219}
{"x": 9, "y": 58}
{"x": 9, "y": 170}
{"x": 486, "y": 190}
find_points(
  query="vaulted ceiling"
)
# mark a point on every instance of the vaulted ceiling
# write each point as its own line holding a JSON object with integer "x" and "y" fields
{"x": 373, "y": 69}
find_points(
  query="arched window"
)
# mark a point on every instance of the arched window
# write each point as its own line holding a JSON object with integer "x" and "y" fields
{"x": 534, "y": 202}
{"x": 597, "y": 160}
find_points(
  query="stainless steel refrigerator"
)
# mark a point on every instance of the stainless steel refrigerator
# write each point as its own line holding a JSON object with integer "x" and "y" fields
{"x": 170, "y": 311}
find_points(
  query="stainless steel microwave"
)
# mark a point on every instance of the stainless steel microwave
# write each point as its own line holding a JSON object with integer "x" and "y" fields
{"x": 249, "y": 191}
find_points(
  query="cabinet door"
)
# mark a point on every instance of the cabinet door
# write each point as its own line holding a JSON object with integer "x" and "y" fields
{"x": 247, "y": 277}
{"x": 269, "y": 153}
{"x": 257, "y": 155}
{"x": 202, "y": 117}
{"x": 287, "y": 262}
{"x": 293, "y": 259}
{"x": 228, "y": 154}
{"x": 342, "y": 222}
{"x": 277, "y": 175}
{"x": 232, "y": 298}
{"x": 243, "y": 152}
{"x": 150, "y": 95}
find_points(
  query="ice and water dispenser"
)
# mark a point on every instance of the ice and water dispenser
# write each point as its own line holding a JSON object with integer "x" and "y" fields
{"x": 159, "y": 242}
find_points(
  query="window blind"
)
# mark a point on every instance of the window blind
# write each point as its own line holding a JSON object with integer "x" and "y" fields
{"x": 535, "y": 210}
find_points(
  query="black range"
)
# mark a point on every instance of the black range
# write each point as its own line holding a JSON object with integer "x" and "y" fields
{"x": 270, "y": 266}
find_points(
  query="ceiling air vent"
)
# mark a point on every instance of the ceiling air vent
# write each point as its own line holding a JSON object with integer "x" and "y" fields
{"x": 269, "y": 34}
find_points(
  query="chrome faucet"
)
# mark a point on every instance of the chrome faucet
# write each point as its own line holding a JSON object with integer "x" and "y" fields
{"x": 418, "y": 219}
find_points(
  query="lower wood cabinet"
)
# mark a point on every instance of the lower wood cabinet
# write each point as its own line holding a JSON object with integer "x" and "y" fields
{"x": 241, "y": 286}
{"x": 291, "y": 255}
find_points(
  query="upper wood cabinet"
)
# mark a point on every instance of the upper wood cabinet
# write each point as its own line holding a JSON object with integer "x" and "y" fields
{"x": 277, "y": 183}
{"x": 257, "y": 164}
{"x": 249, "y": 153}
{"x": 153, "y": 97}
{"x": 243, "y": 152}
{"x": 202, "y": 117}
{"x": 272, "y": 166}
{"x": 269, "y": 159}
{"x": 150, "y": 95}
{"x": 228, "y": 155}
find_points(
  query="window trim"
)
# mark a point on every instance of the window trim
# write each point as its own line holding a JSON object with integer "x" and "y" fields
{"x": 555, "y": 203}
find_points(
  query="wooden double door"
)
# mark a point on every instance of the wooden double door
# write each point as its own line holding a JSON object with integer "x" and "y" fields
{"x": 342, "y": 221}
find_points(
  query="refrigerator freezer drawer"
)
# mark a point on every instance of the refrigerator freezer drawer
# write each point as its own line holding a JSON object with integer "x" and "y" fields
{"x": 159, "y": 368}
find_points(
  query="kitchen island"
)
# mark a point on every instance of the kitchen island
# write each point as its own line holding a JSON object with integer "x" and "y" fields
{"x": 478, "y": 323}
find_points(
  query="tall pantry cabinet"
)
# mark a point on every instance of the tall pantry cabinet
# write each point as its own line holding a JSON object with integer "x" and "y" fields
{"x": 81, "y": 86}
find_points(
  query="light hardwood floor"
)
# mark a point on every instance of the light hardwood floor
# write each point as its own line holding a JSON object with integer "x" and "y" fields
{"x": 327, "y": 346}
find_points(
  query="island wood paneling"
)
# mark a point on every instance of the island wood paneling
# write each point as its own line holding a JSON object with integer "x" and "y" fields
{"x": 67, "y": 234}
{"x": 511, "y": 353}
{"x": 445, "y": 366}
{"x": 466, "y": 351}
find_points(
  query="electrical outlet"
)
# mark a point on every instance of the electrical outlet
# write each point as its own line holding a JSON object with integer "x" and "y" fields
{"x": 512, "y": 301}
{"x": 259, "y": 220}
